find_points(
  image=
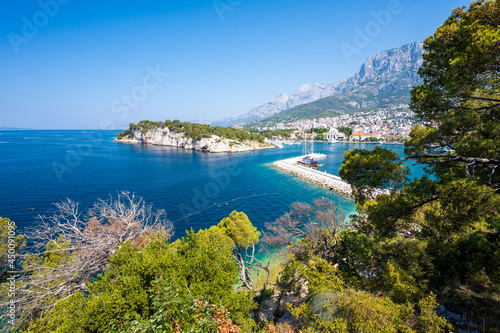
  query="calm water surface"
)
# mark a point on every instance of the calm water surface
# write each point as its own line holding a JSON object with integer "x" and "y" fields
{"x": 38, "y": 168}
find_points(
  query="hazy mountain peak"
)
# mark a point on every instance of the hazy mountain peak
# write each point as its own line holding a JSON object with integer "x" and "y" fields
{"x": 280, "y": 99}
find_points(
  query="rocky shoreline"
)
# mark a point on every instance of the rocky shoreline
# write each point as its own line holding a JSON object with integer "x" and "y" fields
{"x": 163, "y": 136}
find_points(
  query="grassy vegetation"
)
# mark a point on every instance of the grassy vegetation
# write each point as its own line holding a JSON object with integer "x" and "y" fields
{"x": 272, "y": 133}
{"x": 337, "y": 105}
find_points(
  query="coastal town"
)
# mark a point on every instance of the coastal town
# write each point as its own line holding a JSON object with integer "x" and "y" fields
{"x": 391, "y": 124}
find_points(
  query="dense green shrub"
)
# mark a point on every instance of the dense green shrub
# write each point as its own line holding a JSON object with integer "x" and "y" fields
{"x": 332, "y": 306}
{"x": 173, "y": 311}
{"x": 132, "y": 292}
{"x": 124, "y": 134}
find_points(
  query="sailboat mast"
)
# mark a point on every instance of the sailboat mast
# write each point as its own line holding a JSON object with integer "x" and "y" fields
{"x": 305, "y": 143}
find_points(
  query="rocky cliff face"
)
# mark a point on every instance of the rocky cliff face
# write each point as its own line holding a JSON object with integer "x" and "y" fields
{"x": 165, "y": 137}
{"x": 387, "y": 71}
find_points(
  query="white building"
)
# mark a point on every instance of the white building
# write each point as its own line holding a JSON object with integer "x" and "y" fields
{"x": 334, "y": 135}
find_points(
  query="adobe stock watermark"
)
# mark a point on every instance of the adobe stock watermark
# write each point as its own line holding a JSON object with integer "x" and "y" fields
{"x": 12, "y": 274}
{"x": 31, "y": 26}
{"x": 203, "y": 197}
{"x": 138, "y": 94}
{"x": 224, "y": 6}
{"x": 122, "y": 106}
{"x": 363, "y": 36}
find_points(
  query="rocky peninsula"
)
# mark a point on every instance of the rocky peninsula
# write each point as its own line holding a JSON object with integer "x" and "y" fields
{"x": 182, "y": 135}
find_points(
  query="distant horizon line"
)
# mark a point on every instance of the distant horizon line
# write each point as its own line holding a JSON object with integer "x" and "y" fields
{"x": 57, "y": 129}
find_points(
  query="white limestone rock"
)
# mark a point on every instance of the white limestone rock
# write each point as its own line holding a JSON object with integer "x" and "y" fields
{"x": 163, "y": 136}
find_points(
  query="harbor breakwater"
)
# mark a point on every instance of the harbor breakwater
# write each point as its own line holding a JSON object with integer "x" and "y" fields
{"x": 321, "y": 178}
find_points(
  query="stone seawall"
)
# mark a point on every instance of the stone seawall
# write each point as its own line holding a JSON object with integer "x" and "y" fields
{"x": 324, "y": 179}
{"x": 321, "y": 178}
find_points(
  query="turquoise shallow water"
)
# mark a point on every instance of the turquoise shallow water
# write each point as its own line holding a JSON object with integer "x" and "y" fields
{"x": 196, "y": 189}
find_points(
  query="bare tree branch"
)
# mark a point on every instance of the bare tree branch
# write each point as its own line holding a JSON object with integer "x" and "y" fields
{"x": 482, "y": 108}
{"x": 481, "y": 98}
{"x": 317, "y": 224}
{"x": 449, "y": 158}
{"x": 71, "y": 246}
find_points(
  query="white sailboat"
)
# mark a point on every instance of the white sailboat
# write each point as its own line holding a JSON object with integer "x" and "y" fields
{"x": 309, "y": 160}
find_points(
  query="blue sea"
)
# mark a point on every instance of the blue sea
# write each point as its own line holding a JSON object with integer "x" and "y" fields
{"x": 196, "y": 189}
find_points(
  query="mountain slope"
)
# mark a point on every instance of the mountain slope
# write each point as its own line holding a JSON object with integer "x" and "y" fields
{"x": 337, "y": 105}
{"x": 390, "y": 70}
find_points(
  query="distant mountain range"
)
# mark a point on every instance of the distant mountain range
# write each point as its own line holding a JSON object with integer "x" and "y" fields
{"x": 13, "y": 129}
{"x": 383, "y": 80}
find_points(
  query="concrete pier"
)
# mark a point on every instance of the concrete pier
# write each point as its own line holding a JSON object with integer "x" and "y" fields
{"x": 321, "y": 178}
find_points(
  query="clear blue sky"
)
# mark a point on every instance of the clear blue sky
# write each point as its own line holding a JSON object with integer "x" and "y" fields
{"x": 86, "y": 64}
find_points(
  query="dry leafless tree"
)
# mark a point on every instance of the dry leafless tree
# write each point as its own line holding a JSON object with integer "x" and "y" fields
{"x": 71, "y": 246}
{"x": 305, "y": 227}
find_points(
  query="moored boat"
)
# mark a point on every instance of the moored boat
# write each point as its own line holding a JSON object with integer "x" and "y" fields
{"x": 309, "y": 162}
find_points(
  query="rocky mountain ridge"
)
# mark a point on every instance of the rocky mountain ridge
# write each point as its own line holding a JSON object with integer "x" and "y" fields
{"x": 388, "y": 70}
